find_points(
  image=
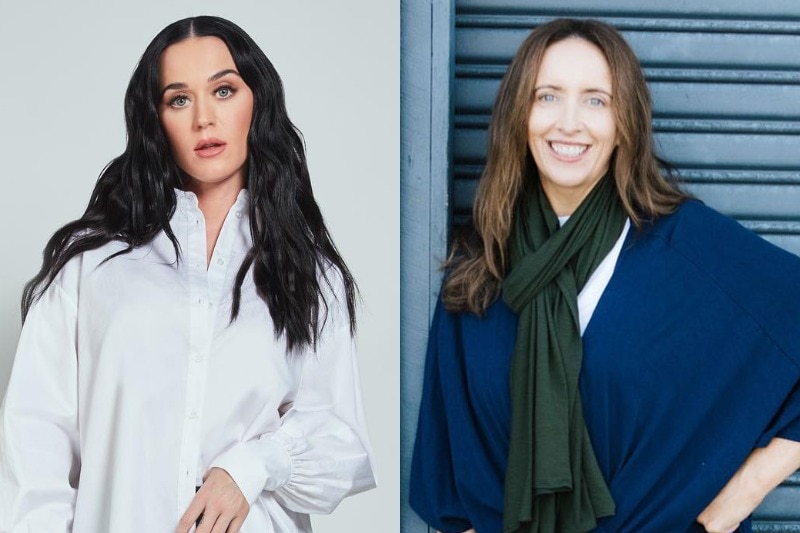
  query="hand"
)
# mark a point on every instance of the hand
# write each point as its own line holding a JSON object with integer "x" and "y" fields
{"x": 221, "y": 504}
{"x": 713, "y": 522}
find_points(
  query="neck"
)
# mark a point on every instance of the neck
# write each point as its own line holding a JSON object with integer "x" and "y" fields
{"x": 214, "y": 201}
{"x": 564, "y": 203}
{"x": 566, "y": 199}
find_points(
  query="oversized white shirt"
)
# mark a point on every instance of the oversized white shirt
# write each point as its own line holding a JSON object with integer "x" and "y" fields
{"x": 130, "y": 382}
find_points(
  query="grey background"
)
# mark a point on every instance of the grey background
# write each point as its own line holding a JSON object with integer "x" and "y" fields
{"x": 64, "y": 68}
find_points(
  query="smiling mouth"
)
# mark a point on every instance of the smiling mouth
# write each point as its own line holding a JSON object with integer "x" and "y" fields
{"x": 569, "y": 151}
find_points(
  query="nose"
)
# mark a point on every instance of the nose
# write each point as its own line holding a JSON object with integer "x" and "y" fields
{"x": 569, "y": 118}
{"x": 204, "y": 114}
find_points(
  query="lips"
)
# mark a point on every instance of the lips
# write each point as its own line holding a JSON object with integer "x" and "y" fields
{"x": 210, "y": 147}
{"x": 567, "y": 151}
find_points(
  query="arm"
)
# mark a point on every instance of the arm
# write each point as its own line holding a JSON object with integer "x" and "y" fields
{"x": 39, "y": 457}
{"x": 763, "y": 470}
{"x": 321, "y": 452}
{"x": 432, "y": 487}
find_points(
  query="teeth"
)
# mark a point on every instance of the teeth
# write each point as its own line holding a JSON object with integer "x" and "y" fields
{"x": 568, "y": 150}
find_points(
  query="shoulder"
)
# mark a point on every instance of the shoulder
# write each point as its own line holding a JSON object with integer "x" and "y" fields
{"x": 693, "y": 219}
{"x": 706, "y": 236}
{"x": 81, "y": 269}
{"x": 76, "y": 268}
{"x": 757, "y": 276}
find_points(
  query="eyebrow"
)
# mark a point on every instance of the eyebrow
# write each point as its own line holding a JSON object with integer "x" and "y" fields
{"x": 559, "y": 88}
{"x": 214, "y": 77}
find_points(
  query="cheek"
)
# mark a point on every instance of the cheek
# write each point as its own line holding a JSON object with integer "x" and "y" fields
{"x": 533, "y": 126}
{"x": 609, "y": 129}
{"x": 540, "y": 123}
{"x": 533, "y": 145}
{"x": 242, "y": 117}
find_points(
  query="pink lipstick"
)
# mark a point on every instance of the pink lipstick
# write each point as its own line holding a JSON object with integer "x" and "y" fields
{"x": 210, "y": 147}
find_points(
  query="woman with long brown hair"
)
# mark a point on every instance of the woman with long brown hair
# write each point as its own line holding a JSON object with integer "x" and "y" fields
{"x": 608, "y": 354}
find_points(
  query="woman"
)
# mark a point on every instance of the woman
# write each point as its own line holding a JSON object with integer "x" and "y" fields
{"x": 608, "y": 355}
{"x": 186, "y": 356}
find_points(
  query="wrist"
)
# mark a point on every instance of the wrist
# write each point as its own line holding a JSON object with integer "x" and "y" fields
{"x": 754, "y": 485}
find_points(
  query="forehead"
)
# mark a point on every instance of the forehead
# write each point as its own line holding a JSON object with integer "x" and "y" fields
{"x": 574, "y": 62}
{"x": 194, "y": 59}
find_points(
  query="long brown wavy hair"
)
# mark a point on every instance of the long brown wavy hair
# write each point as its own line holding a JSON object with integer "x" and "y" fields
{"x": 477, "y": 263}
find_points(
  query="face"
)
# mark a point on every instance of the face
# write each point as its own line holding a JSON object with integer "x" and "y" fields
{"x": 571, "y": 129}
{"x": 205, "y": 110}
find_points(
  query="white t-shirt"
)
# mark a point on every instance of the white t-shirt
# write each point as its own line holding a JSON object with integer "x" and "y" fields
{"x": 597, "y": 282}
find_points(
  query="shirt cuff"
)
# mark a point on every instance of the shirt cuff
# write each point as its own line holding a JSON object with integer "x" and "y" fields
{"x": 258, "y": 465}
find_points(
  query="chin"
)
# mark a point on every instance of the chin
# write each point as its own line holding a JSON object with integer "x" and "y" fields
{"x": 211, "y": 177}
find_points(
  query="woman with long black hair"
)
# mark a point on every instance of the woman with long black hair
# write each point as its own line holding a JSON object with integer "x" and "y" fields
{"x": 186, "y": 356}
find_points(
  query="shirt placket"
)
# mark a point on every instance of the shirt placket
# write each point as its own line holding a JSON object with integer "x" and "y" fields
{"x": 200, "y": 332}
{"x": 217, "y": 285}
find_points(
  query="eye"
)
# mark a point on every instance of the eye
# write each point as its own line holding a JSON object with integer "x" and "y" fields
{"x": 596, "y": 101}
{"x": 546, "y": 97}
{"x": 180, "y": 100}
{"x": 225, "y": 91}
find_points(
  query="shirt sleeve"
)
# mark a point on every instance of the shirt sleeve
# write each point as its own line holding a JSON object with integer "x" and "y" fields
{"x": 433, "y": 493}
{"x": 321, "y": 452}
{"x": 39, "y": 457}
{"x": 786, "y": 423}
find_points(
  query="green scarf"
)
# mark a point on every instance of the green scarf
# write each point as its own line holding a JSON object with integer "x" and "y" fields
{"x": 553, "y": 483}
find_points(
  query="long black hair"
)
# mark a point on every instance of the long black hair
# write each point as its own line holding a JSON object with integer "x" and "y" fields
{"x": 134, "y": 199}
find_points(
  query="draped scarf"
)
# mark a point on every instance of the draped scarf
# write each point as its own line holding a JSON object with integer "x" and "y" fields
{"x": 553, "y": 483}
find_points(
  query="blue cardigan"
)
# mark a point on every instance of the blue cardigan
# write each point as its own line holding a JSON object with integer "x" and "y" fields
{"x": 691, "y": 360}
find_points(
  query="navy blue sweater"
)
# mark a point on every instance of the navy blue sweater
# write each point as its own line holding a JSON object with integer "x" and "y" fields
{"x": 691, "y": 360}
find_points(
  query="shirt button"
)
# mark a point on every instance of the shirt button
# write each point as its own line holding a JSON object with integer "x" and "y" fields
{"x": 199, "y": 301}
{"x": 197, "y": 222}
{"x": 238, "y": 214}
{"x": 193, "y": 415}
{"x": 220, "y": 261}
{"x": 198, "y": 358}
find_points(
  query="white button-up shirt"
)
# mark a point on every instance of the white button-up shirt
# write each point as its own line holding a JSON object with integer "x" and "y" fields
{"x": 130, "y": 382}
